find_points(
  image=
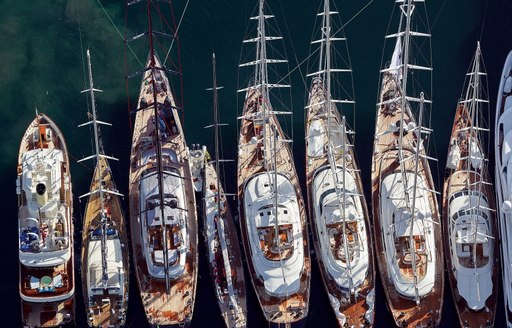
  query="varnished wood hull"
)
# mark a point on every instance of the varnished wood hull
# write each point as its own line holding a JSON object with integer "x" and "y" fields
{"x": 44, "y": 313}
{"x": 277, "y": 310}
{"x": 233, "y": 317}
{"x": 101, "y": 313}
{"x": 176, "y": 307}
{"x": 385, "y": 162}
{"x": 452, "y": 184}
{"x": 356, "y": 310}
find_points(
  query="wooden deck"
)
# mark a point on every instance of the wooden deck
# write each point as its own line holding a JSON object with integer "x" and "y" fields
{"x": 385, "y": 161}
{"x": 277, "y": 310}
{"x": 175, "y": 308}
{"x": 102, "y": 313}
{"x": 353, "y": 307}
{"x": 457, "y": 180}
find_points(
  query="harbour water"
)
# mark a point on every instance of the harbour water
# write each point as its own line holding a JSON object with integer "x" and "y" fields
{"x": 42, "y": 66}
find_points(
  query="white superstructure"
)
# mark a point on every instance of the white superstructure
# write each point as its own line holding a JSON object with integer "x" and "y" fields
{"x": 115, "y": 273}
{"x": 174, "y": 219}
{"x": 345, "y": 257}
{"x": 471, "y": 234}
{"x": 44, "y": 221}
{"x": 274, "y": 233}
{"x": 408, "y": 240}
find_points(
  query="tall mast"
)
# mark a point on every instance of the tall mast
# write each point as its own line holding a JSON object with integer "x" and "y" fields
{"x": 412, "y": 243}
{"x": 262, "y": 73}
{"x": 98, "y": 153}
{"x": 153, "y": 68}
{"x": 403, "y": 93}
{"x": 408, "y": 11}
{"x": 327, "y": 32}
{"x": 216, "y": 132}
{"x": 341, "y": 206}
{"x": 473, "y": 113}
{"x": 405, "y": 68}
{"x": 340, "y": 194}
{"x": 99, "y": 177}
{"x": 473, "y": 98}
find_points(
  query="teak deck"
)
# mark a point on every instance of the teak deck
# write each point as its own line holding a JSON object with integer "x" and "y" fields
{"x": 175, "y": 308}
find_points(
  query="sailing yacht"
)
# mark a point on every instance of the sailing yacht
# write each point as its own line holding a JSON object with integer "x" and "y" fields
{"x": 408, "y": 239}
{"x": 503, "y": 162}
{"x": 224, "y": 255}
{"x": 105, "y": 261}
{"x": 163, "y": 219}
{"x": 469, "y": 222}
{"x": 337, "y": 206}
{"x": 45, "y": 227}
{"x": 272, "y": 212}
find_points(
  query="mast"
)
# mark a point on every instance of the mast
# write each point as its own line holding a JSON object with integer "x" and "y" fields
{"x": 405, "y": 68}
{"x": 99, "y": 177}
{"x": 408, "y": 11}
{"x": 472, "y": 114}
{"x": 341, "y": 206}
{"x": 473, "y": 97}
{"x": 221, "y": 224}
{"x": 98, "y": 153}
{"x": 327, "y": 32}
{"x": 261, "y": 74}
{"x": 153, "y": 68}
{"x": 340, "y": 194}
{"x": 413, "y": 207}
{"x": 216, "y": 132}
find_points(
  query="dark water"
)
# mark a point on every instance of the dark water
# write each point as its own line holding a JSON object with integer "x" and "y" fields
{"x": 42, "y": 65}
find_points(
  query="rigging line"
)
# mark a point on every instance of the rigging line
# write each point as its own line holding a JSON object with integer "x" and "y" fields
{"x": 296, "y": 61}
{"x": 77, "y": 160}
{"x": 315, "y": 51}
{"x": 293, "y": 48}
{"x": 84, "y": 74}
{"x": 357, "y": 14}
{"x": 351, "y": 92}
{"x": 175, "y": 33}
{"x": 483, "y": 23}
{"x": 298, "y": 65}
{"x": 81, "y": 49}
{"x": 119, "y": 32}
{"x": 438, "y": 14}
